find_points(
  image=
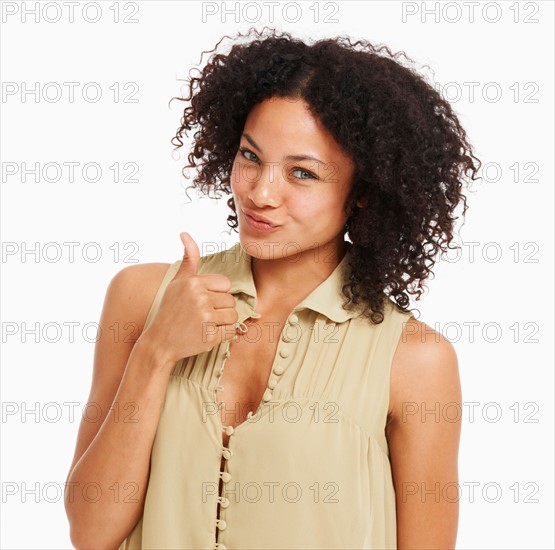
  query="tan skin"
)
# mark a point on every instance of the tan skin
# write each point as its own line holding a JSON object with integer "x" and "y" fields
{"x": 424, "y": 370}
{"x": 292, "y": 196}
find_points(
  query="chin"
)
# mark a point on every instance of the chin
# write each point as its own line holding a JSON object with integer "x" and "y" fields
{"x": 269, "y": 248}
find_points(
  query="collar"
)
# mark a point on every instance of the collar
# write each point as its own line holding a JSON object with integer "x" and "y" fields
{"x": 326, "y": 298}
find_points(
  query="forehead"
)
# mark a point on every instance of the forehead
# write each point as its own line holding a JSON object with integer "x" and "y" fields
{"x": 286, "y": 125}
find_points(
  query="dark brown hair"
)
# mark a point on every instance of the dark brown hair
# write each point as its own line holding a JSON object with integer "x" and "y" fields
{"x": 410, "y": 151}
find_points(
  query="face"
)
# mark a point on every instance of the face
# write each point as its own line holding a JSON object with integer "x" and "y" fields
{"x": 289, "y": 171}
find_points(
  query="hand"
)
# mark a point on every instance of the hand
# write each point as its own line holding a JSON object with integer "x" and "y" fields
{"x": 196, "y": 312}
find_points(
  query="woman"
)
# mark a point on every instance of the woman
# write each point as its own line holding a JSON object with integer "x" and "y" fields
{"x": 264, "y": 410}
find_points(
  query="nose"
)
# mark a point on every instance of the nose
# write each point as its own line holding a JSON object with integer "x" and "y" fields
{"x": 265, "y": 189}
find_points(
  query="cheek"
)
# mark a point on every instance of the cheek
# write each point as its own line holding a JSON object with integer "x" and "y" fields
{"x": 235, "y": 180}
{"x": 242, "y": 176}
{"x": 308, "y": 208}
{"x": 323, "y": 210}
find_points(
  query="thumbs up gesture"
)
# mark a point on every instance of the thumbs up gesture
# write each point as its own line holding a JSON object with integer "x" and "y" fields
{"x": 196, "y": 312}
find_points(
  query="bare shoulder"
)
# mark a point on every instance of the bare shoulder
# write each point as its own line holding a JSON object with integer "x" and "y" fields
{"x": 424, "y": 367}
{"x": 134, "y": 288}
{"x": 126, "y": 304}
{"x": 423, "y": 432}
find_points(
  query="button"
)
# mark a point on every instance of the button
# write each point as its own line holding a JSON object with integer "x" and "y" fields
{"x": 293, "y": 318}
{"x": 227, "y": 354}
{"x": 284, "y": 335}
{"x": 267, "y": 395}
{"x": 224, "y": 502}
{"x": 219, "y": 387}
{"x": 221, "y": 371}
{"x": 241, "y": 327}
{"x": 226, "y": 476}
{"x": 220, "y": 546}
{"x": 228, "y": 430}
{"x": 272, "y": 382}
{"x": 278, "y": 369}
{"x": 227, "y": 453}
{"x": 284, "y": 352}
{"x": 222, "y": 524}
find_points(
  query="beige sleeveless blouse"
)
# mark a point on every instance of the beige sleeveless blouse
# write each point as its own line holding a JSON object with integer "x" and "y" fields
{"x": 310, "y": 469}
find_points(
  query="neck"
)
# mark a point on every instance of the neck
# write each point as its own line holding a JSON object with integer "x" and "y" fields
{"x": 289, "y": 280}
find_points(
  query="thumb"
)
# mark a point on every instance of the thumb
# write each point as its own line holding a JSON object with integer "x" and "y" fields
{"x": 191, "y": 257}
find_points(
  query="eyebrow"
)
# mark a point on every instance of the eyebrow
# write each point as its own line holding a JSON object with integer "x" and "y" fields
{"x": 248, "y": 137}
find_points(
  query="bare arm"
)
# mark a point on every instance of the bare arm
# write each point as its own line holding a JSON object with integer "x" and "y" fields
{"x": 113, "y": 453}
{"x": 128, "y": 388}
{"x": 423, "y": 433}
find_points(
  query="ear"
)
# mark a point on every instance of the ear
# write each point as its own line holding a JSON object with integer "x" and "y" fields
{"x": 362, "y": 202}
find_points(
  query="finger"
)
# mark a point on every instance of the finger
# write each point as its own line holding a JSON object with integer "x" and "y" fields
{"x": 227, "y": 332}
{"x": 191, "y": 257}
{"x": 227, "y": 316}
{"x": 216, "y": 282}
{"x": 222, "y": 300}
{"x": 221, "y": 332}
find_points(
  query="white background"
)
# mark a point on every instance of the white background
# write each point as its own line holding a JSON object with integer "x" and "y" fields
{"x": 506, "y": 363}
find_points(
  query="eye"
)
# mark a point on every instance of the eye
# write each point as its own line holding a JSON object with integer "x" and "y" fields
{"x": 310, "y": 174}
{"x": 245, "y": 150}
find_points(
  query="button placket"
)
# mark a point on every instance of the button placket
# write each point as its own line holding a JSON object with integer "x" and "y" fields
{"x": 227, "y": 453}
{"x": 277, "y": 371}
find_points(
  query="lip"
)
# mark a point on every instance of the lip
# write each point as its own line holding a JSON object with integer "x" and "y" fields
{"x": 261, "y": 223}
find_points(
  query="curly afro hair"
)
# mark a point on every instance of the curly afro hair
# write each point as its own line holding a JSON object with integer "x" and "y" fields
{"x": 410, "y": 152}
